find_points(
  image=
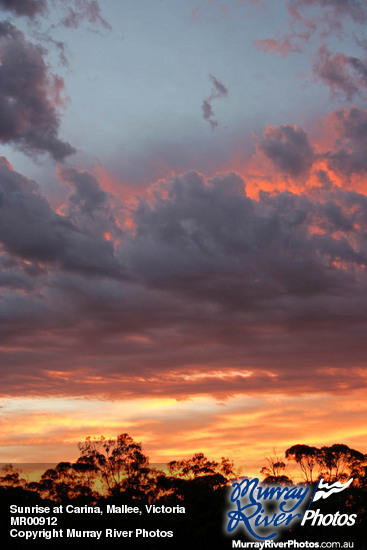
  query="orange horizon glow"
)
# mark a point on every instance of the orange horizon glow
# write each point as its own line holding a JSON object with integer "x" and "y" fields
{"x": 244, "y": 429}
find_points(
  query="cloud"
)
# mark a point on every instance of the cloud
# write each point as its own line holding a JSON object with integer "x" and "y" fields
{"x": 84, "y": 10}
{"x": 170, "y": 429}
{"x": 283, "y": 46}
{"x": 88, "y": 197}
{"x": 344, "y": 75}
{"x": 90, "y": 208}
{"x": 76, "y": 11}
{"x": 334, "y": 10}
{"x": 323, "y": 20}
{"x": 218, "y": 91}
{"x": 73, "y": 14}
{"x": 208, "y": 113}
{"x": 29, "y": 96}
{"x": 31, "y": 230}
{"x": 310, "y": 17}
{"x": 182, "y": 243}
{"x": 28, "y": 8}
{"x": 348, "y": 156}
{"x": 288, "y": 148}
{"x": 207, "y": 291}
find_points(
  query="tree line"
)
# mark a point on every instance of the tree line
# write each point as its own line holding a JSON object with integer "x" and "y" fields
{"x": 117, "y": 471}
{"x": 335, "y": 463}
{"x": 110, "y": 467}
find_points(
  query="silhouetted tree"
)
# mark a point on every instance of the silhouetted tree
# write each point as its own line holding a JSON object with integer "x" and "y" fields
{"x": 119, "y": 464}
{"x": 340, "y": 461}
{"x": 274, "y": 471}
{"x": 199, "y": 465}
{"x": 308, "y": 458}
{"x": 11, "y": 477}
{"x": 337, "y": 462}
{"x": 65, "y": 482}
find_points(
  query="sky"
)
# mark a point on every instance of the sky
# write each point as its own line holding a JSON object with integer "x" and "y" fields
{"x": 183, "y": 226}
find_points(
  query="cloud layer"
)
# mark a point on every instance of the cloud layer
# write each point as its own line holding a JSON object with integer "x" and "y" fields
{"x": 201, "y": 290}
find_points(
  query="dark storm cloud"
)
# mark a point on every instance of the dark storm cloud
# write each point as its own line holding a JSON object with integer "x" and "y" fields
{"x": 344, "y": 75}
{"x": 28, "y": 97}
{"x": 218, "y": 91}
{"x": 349, "y": 152}
{"x": 288, "y": 148}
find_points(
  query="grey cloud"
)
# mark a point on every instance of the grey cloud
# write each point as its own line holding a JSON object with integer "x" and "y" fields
{"x": 208, "y": 113}
{"x": 88, "y": 196}
{"x": 348, "y": 155}
{"x": 30, "y": 229}
{"x": 355, "y": 9}
{"x": 14, "y": 274}
{"x": 308, "y": 17}
{"x": 29, "y": 8}
{"x": 218, "y": 91}
{"x": 214, "y": 281}
{"x": 91, "y": 209}
{"x": 28, "y": 115}
{"x": 344, "y": 75}
{"x": 288, "y": 148}
{"x": 76, "y": 11}
{"x": 213, "y": 242}
{"x": 84, "y": 10}
{"x": 323, "y": 20}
